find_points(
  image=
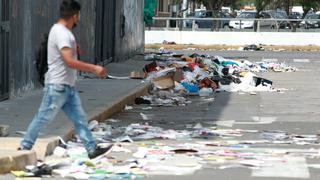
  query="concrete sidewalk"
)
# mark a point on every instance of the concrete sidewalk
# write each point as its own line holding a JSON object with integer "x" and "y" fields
{"x": 101, "y": 98}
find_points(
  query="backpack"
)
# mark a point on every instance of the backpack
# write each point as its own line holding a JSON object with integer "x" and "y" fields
{"x": 42, "y": 58}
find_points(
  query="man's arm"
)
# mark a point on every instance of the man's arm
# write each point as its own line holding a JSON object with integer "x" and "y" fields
{"x": 79, "y": 65}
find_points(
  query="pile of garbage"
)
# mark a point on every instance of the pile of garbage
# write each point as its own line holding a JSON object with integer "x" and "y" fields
{"x": 204, "y": 74}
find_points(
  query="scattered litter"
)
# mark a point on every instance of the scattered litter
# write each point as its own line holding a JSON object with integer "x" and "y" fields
{"x": 144, "y": 117}
{"x": 113, "y": 120}
{"x": 21, "y": 174}
{"x": 123, "y": 139}
{"x": 164, "y": 82}
{"x": 205, "y": 92}
{"x": 41, "y": 170}
{"x": 168, "y": 42}
{"x": 20, "y": 132}
{"x": 152, "y": 157}
{"x": 117, "y": 77}
{"x": 141, "y": 100}
{"x": 198, "y": 126}
{"x": 60, "y": 152}
{"x": 138, "y": 150}
{"x": 253, "y": 93}
{"x": 126, "y": 108}
{"x": 253, "y": 47}
{"x": 147, "y": 108}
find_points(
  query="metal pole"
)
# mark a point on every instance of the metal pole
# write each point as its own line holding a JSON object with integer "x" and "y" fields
{"x": 177, "y": 24}
{"x": 184, "y": 6}
{"x": 193, "y": 25}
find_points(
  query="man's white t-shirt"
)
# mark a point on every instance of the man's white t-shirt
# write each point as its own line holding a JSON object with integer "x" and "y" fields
{"x": 58, "y": 71}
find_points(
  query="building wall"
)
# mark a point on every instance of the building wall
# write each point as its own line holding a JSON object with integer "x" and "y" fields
{"x": 85, "y": 32}
{"x": 31, "y": 18}
{"x": 4, "y": 49}
{"x": 129, "y": 28}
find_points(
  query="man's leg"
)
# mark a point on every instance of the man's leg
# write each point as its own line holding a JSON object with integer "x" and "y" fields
{"x": 73, "y": 109}
{"x": 53, "y": 99}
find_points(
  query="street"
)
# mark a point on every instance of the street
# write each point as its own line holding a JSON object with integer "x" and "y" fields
{"x": 160, "y": 89}
{"x": 294, "y": 111}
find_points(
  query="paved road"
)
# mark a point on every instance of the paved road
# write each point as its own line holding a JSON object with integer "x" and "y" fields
{"x": 295, "y": 111}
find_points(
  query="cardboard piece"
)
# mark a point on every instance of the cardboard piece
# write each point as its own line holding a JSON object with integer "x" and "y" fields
{"x": 178, "y": 76}
{"x": 208, "y": 83}
{"x": 164, "y": 82}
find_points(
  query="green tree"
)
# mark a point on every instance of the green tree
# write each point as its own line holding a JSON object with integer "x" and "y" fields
{"x": 261, "y": 5}
{"x": 149, "y": 11}
{"x": 237, "y": 4}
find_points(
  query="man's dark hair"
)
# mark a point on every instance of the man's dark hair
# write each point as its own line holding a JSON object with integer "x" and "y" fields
{"x": 69, "y": 8}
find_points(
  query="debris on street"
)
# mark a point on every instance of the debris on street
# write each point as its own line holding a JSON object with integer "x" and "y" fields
{"x": 142, "y": 150}
{"x": 253, "y": 47}
{"x": 203, "y": 74}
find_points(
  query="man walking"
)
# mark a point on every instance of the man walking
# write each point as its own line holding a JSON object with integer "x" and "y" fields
{"x": 59, "y": 91}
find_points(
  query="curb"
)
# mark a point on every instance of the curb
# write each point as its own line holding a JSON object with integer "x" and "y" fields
{"x": 19, "y": 160}
{"x": 11, "y": 159}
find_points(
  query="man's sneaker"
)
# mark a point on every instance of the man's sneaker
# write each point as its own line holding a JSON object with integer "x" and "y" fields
{"x": 100, "y": 151}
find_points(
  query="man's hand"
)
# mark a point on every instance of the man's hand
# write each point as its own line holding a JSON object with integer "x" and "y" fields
{"x": 100, "y": 71}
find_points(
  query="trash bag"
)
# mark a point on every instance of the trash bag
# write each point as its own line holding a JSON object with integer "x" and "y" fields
{"x": 191, "y": 88}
